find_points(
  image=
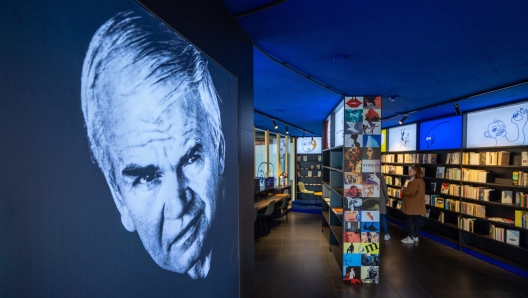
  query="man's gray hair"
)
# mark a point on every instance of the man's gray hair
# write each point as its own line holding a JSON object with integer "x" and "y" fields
{"x": 136, "y": 43}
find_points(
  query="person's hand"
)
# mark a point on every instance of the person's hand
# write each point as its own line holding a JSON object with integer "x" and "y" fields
{"x": 374, "y": 178}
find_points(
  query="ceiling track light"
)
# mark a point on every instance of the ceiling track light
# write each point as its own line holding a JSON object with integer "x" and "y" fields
{"x": 274, "y": 124}
{"x": 457, "y": 109}
{"x": 403, "y": 119}
{"x": 304, "y": 134}
{"x": 312, "y": 137}
{"x": 287, "y": 132}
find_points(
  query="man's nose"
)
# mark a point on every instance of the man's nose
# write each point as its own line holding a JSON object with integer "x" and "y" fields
{"x": 176, "y": 196}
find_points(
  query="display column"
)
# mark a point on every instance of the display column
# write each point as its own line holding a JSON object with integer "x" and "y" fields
{"x": 362, "y": 152}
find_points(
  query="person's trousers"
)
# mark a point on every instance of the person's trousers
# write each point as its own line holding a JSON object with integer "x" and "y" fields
{"x": 413, "y": 222}
{"x": 383, "y": 223}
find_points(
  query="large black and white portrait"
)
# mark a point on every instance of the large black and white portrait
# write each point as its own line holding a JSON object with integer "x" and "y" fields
{"x": 118, "y": 150}
{"x": 154, "y": 126}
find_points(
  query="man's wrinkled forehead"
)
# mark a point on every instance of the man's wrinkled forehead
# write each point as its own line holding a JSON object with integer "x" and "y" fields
{"x": 146, "y": 97}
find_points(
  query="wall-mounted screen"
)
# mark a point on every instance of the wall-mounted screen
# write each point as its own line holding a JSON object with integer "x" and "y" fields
{"x": 383, "y": 140}
{"x": 339, "y": 127}
{"x": 445, "y": 133}
{"x": 504, "y": 126}
{"x": 309, "y": 145}
{"x": 402, "y": 138}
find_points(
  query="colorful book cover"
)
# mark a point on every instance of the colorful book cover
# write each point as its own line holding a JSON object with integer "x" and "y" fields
{"x": 350, "y": 259}
{"x": 352, "y": 274}
{"x": 433, "y": 186}
{"x": 440, "y": 172}
{"x": 370, "y": 260}
{"x": 512, "y": 237}
{"x": 444, "y": 188}
{"x": 439, "y": 202}
{"x": 370, "y": 248}
{"x": 353, "y": 248}
{"x": 369, "y": 237}
{"x": 506, "y": 197}
{"x": 370, "y": 274}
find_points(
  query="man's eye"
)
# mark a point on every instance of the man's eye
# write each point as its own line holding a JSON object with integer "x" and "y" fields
{"x": 147, "y": 178}
{"x": 193, "y": 159}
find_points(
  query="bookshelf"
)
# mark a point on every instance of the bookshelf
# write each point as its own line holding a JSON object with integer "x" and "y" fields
{"x": 332, "y": 205}
{"x": 310, "y": 172}
{"x": 472, "y": 198}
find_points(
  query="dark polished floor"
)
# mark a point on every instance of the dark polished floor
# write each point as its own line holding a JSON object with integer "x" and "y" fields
{"x": 294, "y": 261}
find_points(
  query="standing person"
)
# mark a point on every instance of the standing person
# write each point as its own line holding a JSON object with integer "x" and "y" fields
{"x": 384, "y": 197}
{"x": 413, "y": 202}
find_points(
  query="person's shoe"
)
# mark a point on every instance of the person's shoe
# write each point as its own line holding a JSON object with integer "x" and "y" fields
{"x": 415, "y": 239}
{"x": 386, "y": 237}
{"x": 407, "y": 240}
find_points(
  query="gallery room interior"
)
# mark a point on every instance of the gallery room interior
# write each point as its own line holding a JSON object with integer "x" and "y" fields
{"x": 136, "y": 134}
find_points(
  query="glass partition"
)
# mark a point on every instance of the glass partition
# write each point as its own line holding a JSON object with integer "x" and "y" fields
{"x": 260, "y": 154}
{"x": 274, "y": 164}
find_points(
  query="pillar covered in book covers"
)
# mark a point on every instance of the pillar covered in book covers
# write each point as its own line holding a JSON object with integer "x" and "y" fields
{"x": 361, "y": 233}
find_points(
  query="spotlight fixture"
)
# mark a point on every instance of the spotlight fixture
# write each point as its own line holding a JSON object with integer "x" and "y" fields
{"x": 403, "y": 119}
{"x": 287, "y": 132}
{"x": 457, "y": 109}
{"x": 312, "y": 137}
{"x": 274, "y": 124}
{"x": 304, "y": 134}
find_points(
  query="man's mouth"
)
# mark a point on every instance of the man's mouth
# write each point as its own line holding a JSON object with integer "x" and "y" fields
{"x": 188, "y": 234}
{"x": 500, "y": 131}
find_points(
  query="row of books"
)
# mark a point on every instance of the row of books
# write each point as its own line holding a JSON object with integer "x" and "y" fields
{"x": 514, "y": 197}
{"x": 466, "y": 224}
{"x": 395, "y": 192}
{"x": 453, "y": 158}
{"x": 391, "y": 169}
{"x": 439, "y": 202}
{"x": 476, "y": 192}
{"x": 473, "y": 175}
{"x": 521, "y": 199}
{"x": 312, "y": 167}
{"x": 504, "y": 235}
{"x": 521, "y": 218}
{"x": 305, "y": 158}
{"x": 520, "y": 178}
{"x": 309, "y": 174}
{"x": 409, "y": 158}
{"x": 450, "y": 189}
{"x": 473, "y": 209}
{"x": 500, "y": 158}
{"x": 393, "y": 180}
{"x": 394, "y": 203}
{"x": 450, "y": 173}
{"x": 441, "y": 217}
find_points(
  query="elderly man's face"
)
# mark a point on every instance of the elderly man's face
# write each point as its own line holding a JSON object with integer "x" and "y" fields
{"x": 167, "y": 173}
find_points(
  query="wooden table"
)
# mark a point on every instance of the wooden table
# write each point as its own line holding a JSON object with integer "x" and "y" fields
{"x": 262, "y": 204}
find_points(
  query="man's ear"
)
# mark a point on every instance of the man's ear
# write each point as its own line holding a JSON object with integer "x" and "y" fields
{"x": 126, "y": 219}
{"x": 221, "y": 155}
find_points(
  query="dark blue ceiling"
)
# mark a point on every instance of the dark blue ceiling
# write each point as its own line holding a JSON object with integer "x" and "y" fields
{"x": 426, "y": 52}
